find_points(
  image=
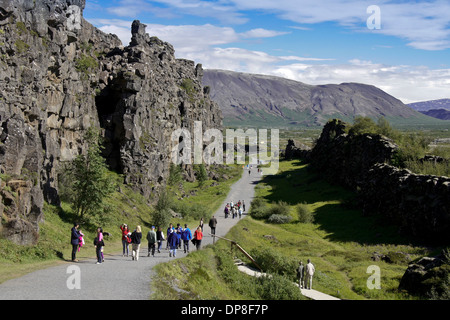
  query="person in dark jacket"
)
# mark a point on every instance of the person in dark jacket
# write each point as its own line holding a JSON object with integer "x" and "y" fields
{"x": 152, "y": 239}
{"x": 173, "y": 243}
{"x": 75, "y": 241}
{"x": 136, "y": 237}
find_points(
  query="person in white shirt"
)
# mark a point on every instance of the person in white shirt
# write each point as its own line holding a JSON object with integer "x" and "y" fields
{"x": 309, "y": 274}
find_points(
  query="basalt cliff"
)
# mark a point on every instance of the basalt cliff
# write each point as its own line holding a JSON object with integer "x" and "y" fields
{"x": 59, "y": 76}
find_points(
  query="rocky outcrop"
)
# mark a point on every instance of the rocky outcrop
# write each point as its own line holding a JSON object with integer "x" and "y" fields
{"x": 426, "y": 275}
{"x": 293, "y": 151}
{"x": 346, "y": 159}
{"x": 418, "y": 204}
{"x": 59, "y": 76}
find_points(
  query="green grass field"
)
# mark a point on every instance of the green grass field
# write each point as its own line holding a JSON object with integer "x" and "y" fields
{"x": 340, "y": 243}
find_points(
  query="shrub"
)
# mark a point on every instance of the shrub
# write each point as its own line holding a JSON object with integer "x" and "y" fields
{"x": 280, "y": 208}
{"x": 304, "y": 213}
{"x": 276, "y": 287}
{"x": 259, "y": 209}
{"x": 272, "y": 261}
{"x": 161, "y": 216}
{"x": 279, "y": 219}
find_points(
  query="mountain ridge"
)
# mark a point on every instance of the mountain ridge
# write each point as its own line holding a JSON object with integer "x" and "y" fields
{"x": 254, "y": 99}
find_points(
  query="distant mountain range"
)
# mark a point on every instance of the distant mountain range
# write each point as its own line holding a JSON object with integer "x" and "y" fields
{"x": 431, "y": 105}
{"x": 439, "y": 109}
{"x": 261, "y": 100}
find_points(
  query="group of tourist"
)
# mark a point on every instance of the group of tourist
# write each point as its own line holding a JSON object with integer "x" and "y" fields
{"x": 175, "y": 237}
{"x": 234, "y": 209}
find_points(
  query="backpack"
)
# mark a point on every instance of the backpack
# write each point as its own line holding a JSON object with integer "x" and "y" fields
{"x": 128, "y": 238}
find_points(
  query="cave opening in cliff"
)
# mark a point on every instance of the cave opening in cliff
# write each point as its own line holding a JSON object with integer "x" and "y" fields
{"x": 108, "y": 103}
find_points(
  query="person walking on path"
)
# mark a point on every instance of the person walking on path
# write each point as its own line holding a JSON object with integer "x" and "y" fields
{"x": 75, "y": 240}
{"x": 172, "y": 240}
{"x": 310, "y": 269}
{"x": 159, "y": 238}
{"x": 212, "y": 224}
{"x": 151, "y": 239}
{"x": 186, "y": 236}
{"x": 125, "y": 239}
{"x": 179, "y": 231}
{"x": 301, "y": 274}
{"x": 99, "y": 244}
{"x": 167, "y": 235}
{"x": 198, "y": 236}
{"x": 201, "y": 223}
{"x": 136, "y": 237}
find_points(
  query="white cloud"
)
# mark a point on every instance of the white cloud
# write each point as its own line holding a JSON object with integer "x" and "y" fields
{"x": 425, "y": 25}
{"x": 407, "y": 83}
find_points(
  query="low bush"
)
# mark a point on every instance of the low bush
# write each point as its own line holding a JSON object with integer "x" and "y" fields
{"x": 279, "y": 219}
{"x": 304, "y": 213}
{"x": 259, "y": 209}
{"x": 281, "y": 208}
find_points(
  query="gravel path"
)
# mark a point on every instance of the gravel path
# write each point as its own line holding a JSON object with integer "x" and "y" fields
{"x": 118, "y": 277}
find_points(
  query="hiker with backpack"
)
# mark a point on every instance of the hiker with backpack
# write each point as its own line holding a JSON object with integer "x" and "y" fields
{"x": 151, "y": 239}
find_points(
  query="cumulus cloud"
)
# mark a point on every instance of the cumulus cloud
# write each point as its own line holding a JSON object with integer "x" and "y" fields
{"x": 425, "y": 25}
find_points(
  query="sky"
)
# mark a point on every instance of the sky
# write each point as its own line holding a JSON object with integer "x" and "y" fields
{"x": 402, "y": 47}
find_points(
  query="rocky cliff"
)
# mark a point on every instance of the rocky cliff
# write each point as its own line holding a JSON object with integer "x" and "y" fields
{"x": 418, "y": 204}
{"x": 59, "y": 76}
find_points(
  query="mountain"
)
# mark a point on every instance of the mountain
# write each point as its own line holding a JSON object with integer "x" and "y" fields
{"x": 431, "y": 105}
{"x": 442, "y": 114}
{"x": 261, "y": 100}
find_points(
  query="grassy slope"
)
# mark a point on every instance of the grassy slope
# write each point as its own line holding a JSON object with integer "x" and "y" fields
{"x": 340, "y": 243}
{"x": 126, "y": 206}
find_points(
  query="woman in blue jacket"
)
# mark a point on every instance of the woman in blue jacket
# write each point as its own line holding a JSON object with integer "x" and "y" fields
{"x": 186, "y": 236}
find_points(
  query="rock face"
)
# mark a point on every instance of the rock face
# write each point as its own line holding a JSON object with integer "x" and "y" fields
{"x": 293, "y": 151}
{"x": 347, "y": 159}
{"x": 426, "y": 274}
{"x": 418, "y": 204}
{"x": 59, "y": 76}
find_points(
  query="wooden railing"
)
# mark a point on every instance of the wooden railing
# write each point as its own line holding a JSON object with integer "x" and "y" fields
{"x": 234, "y": 243}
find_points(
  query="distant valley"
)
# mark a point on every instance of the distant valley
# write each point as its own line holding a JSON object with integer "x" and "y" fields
{"x": 261, "y": 100}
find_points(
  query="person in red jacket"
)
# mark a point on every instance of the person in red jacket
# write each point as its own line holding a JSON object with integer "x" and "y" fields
{"x": 198, "y": 236}
{"x": 125, "y": 238}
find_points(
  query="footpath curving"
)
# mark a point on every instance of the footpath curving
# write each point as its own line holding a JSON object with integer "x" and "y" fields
{"x": 312, "y": 294}
{"x": 118, "y": 278}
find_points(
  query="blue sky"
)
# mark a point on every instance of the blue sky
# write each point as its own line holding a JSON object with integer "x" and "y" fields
{"x": 312, "y": 41}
